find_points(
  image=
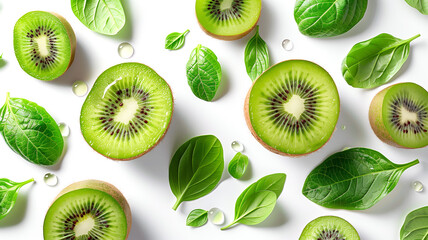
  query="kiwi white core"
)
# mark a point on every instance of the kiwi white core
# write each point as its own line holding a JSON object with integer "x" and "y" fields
{"x": 127, "y": 111}
{"x": 84, "y": 226}
{"x": 226, "y": 4}
{"x": 295, "y": 106}
{"x": 42, "y": 45}
{"x": 407, "y": 115}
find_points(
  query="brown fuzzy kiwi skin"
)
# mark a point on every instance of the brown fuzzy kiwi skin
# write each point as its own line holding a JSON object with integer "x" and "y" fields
{"x": 232, "y": 37}
{"x": 376, "y": 119}
{"x": 71, "y": 36}
{"x": 253, "y": 132}
{"x": 104, "y": 187}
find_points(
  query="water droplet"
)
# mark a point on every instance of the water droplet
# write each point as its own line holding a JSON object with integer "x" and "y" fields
{"x": 216, "y": 216}
{"x": 50, "y": 179}
{"x": 65, "y": 130}
{"x": 417, "y": 186}
{"x": 237, "y": 146}
{"x": 287, "y": 44}
{"x": 80, "y": 88}
{"x": 343, "y": 127}
{"x": 125, "y": 50}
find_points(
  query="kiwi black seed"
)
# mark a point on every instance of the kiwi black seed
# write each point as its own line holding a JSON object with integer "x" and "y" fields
{"x": 228, "y": 19}
{"x": 44, "y": 44}
{"x": 329, "y": 228}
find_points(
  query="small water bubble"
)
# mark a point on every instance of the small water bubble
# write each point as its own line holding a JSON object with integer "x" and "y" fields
{"x": 287, "y": 44}
{"x": 237, "y": 146}
{"x": 125, "y": 50}
{"x": 65, "y": 130}
{"x": 417, "y": 186}
{"x": 216, "y": 216}
{"x": 80, "y": 88}
{"x": 50, "y": 179}
{"x": 343, "y": 127}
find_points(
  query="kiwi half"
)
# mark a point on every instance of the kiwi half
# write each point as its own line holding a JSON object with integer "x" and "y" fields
{"x": 399, "y": 115}
{"x": 127, "y": 112}
{"x": 88, "y": 210}
{"x": 44, "y": 44}
{"x": 228, "y": 19}
{"x": 329, "y": 228}
{"x": 293, "y": 107}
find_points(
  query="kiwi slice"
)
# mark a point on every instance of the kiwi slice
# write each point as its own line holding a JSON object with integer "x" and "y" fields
{"x": 293, "y": 107}
{"x": 127, "y": 111}
{"x": 399, "y": 115}
{"x": 228, "y": 19}
{"x": 88, "y": 210}
{"x": 44, "y": 44}
{"x": 329, "y": 228}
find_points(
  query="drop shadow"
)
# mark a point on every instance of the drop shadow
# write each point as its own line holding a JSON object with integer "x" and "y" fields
{"x": 17, "y": 214}
{"x": 224, "y": 85}
{"x": 277, "y": 218}
{"x": 2, "y": 62}
{"x": 137, "y": 230}
{"x": 79, "y": 69}
{"x": 125, "y": 34}
{"x": 267, "y": 23}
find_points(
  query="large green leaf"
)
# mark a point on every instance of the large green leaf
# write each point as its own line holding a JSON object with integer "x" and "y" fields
{"x": 327, "y": 18}
{"x": 415, "y": 226}
{"x": 353, "y": 179}
{"x": 374, "y": 62}
{"x": 102, "y": 16}
{"x": 420, "y": 5}
{"x": 203, "y": 73}
{"x": 196, "y": 168}
{"x": 256, "y": 56}
{"x": 30, "y": 131}
{"x": 8, "y": 194}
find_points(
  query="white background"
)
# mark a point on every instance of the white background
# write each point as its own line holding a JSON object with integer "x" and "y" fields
{"x": 144, "y": 181}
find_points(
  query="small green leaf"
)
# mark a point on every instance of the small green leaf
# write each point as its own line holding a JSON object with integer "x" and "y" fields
{"x": 415, "y": 226}
{"x": 197, "y": 218}
{"x": 196, "y": 168}
{"x": 256, "y": 56}
{"x": 238, "y": 165}
{"x": 30, "y": 131}
{"x": 420, "y": 5}
{"x": 8, "y": 194}
{"x": 354, "y": 179}
{"x": 1, "y": 56}
{"x": 203, "y": 73}
{"x": 175, "y": 40}
{"x": 101, "y": 16}
{"x": 374, "y": 62}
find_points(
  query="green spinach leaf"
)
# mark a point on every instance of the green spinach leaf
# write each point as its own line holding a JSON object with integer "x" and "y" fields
{"x": 101, "y": 16}
{"x": 203, "y": 73}
{"x": 196, "y": 168}
{"x": 374, "y": 62}
{"x": 197, "y": 218}
{"x": 257, "y": 201}
{"x": 256, "y": 56}
{"x": 353, "y": 179}
{"x": 238, "y": 165}
{"x": 175, "y": 40}
{"x": 8, "y": 194}
{"x": 30, "y": 131}
{"x": 420, "y": 5}
{"x": 328, "y": 18}
{"x": 415, "y": 226}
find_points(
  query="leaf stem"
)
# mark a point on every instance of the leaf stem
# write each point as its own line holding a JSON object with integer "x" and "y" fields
{"x": 230, "y": 225}
{"x": 28, "y": 181}
{"x": 413, "y": 38}
{"x": 410, "y": 164}
{"x": 176, "y": 204}
{"x": 185, "y": 32}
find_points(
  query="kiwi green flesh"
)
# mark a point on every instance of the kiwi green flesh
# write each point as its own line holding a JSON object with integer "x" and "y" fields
{"x": 329, "y": 228}
{"x": 42, "y": 45}
{"x": 294, "y": 106}
{"x": 405, "y": 114}
{"x": 127, "y": 111}
{"x": 85, "y": 214}
{"x": 228, "y": 18}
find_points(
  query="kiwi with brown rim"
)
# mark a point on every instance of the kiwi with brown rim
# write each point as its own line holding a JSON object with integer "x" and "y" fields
{"x": 329, "y": 228}
{"x": 88, "y": 210}
{"x": 399, "y": 115}
{"x": 228, "y": 19}
{"x": 292, "y": 108}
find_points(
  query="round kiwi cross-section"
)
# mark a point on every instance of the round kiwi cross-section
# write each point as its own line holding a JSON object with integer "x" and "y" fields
{"x": 329, "y": 228}
{"x": 88, "y": 210}
{"x": 228, "y": 19}
{"x": 293, "y": 107}
{"x": 399, "y": 115}
{"x": 127, "y": 111}
{"x": 44, "y": 44}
